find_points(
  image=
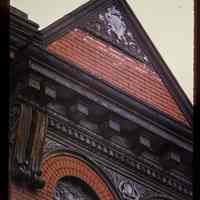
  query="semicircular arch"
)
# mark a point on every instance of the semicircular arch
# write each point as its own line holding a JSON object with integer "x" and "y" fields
{"x": 61, "y": 164}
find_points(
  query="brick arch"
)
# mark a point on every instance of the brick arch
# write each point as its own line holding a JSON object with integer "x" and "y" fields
{"x": 59, "y": 166}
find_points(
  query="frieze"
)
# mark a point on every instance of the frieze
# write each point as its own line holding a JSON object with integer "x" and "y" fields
{"x": 110, "y": 24}
{"x": 95, "y": 145}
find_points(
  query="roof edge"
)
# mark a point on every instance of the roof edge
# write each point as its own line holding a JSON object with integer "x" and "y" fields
{"x": 159, "y": 64}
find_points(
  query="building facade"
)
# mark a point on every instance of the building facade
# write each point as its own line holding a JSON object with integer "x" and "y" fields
{"x": 95, "y": 113}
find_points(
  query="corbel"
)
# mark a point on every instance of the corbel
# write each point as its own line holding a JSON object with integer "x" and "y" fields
{"x": 170, "y": 158}
{"x": 78, "y": 111}
{"x": 33, "y": 95}
{"x": 141, "y": 144}
{"x": 110, "y": 127}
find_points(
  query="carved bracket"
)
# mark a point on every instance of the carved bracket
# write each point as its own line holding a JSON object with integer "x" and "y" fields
{"x": 28, "y": 123}
{"x": 30, "y": 132}
{"x": 36, "y": 89}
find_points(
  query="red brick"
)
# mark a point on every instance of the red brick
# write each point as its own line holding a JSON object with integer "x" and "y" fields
{"x": 56, "y": 168}
{"x": 103, "y": 61}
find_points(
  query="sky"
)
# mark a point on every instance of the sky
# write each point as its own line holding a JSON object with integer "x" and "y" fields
{"x": 169, "y": 24}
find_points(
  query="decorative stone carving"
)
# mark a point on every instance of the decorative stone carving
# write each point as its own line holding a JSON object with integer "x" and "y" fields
{"x": 23, "y": 134}
{"x": 14, "y": 112}
{"x": 115, "y": 23}
{"x": 127, "y": 188}
{"x": 67, "y": 190}
{"x": 112, "y": 25}
{"x": 128, "y": 191}
{"x": 30, "y": 130}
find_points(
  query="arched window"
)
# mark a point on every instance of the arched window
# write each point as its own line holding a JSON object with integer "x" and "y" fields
{"x": 72, "y": 188}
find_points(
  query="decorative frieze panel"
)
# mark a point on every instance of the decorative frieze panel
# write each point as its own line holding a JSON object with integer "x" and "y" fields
{"x": 110, "y": 24}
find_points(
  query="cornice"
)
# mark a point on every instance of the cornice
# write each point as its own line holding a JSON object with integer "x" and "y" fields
{"x": 70, "y": 77}
{"x": 115, "y": 155}
{"x": 49, "y": 63}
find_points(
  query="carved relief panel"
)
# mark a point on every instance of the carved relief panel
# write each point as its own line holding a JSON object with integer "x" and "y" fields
{"x": 111, "y": 24}
{"x": 128, "y": 189}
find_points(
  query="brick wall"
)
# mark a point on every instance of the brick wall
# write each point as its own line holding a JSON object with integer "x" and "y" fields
{"x": 57, "y": 167}
{"x": 111, "y": 65}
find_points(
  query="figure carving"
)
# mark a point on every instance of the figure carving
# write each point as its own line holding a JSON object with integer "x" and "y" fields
{"x": 112, "y": 25}
{"x": 128, "y": 191}
{"x": 115, "y": 23}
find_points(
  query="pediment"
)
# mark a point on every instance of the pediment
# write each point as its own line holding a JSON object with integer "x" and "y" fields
{"x": 112, "y": 22}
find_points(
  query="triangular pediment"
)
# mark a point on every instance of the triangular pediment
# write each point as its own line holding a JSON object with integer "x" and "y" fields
{"x": 113, "y": 23}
